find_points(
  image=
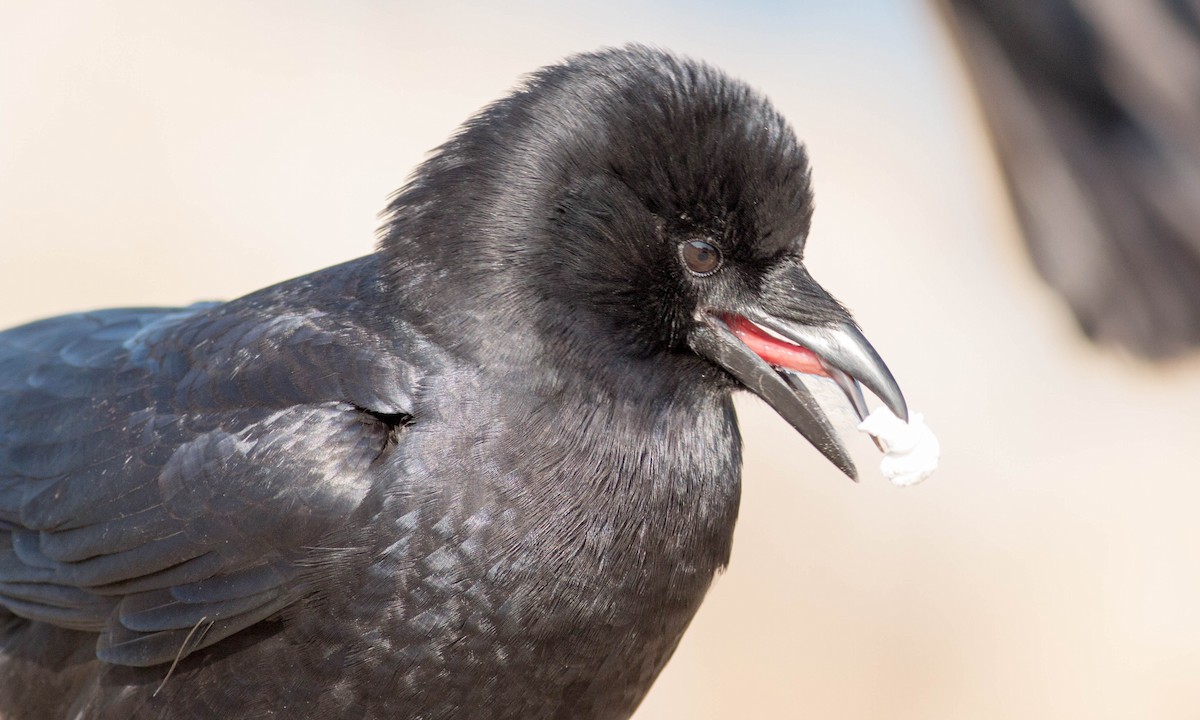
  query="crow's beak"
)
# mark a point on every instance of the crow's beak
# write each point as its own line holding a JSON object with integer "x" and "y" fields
{"x": 764, "y": 351}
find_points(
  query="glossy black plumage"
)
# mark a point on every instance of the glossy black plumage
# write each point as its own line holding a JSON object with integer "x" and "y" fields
{"x": 482, "y": 473}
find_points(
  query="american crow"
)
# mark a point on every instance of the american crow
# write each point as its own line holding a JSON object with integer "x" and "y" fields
{"x": 488, "y": 471}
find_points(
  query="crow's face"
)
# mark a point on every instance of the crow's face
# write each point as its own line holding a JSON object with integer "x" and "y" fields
{"x": 633, "y": 203}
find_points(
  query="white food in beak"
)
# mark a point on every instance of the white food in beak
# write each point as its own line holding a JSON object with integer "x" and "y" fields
{"x": 911, "y": 448}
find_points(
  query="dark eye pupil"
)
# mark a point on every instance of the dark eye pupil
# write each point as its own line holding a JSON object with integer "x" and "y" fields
{"x": 701, "y": 257}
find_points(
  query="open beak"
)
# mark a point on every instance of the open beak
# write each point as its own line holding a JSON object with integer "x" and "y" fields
{"x": 764, "y": 352}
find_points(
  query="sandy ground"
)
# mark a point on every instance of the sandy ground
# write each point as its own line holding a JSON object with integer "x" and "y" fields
{"x": 155, "y": 153}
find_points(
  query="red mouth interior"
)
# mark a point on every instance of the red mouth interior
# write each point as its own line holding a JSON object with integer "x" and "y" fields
{"x": 773, "y": 350}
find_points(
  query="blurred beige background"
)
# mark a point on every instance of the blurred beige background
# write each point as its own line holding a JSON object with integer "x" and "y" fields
{"x": 161, "y": 153}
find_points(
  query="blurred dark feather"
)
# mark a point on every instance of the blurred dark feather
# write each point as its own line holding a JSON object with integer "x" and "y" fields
{"x": 1094, "y": 110}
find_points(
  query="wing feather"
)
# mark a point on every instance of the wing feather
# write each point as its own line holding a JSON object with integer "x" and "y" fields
{"x": 166, "y": 474}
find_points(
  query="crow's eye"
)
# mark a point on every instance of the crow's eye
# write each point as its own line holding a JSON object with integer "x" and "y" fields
{"x": 701, "y": 258}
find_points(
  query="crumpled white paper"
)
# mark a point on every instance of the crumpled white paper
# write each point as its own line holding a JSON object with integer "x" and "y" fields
{"x": 911, "y": 449}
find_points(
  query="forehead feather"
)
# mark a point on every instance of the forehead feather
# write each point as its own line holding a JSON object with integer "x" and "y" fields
{"x": 696, "y": 145}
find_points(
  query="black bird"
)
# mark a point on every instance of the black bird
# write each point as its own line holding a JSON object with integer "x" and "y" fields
{"x": 1092, "y": 105}
{"x": 488, "y": 471}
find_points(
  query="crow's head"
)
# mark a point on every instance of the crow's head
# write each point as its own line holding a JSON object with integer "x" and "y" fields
{"x": 631, "y": 204}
